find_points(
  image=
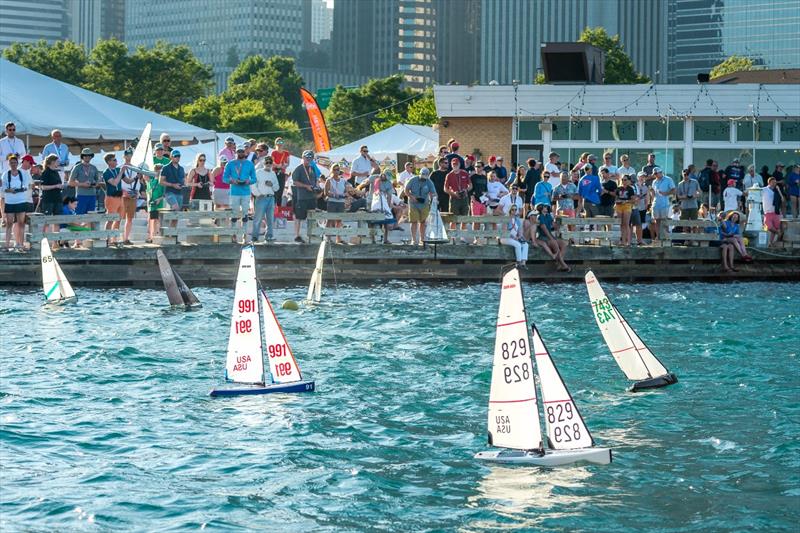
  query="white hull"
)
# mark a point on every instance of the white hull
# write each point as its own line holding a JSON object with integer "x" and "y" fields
{"x": 600, "y": 456}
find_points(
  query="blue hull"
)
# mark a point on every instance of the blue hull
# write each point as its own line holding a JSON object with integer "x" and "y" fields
{"x": 298, "y": 386}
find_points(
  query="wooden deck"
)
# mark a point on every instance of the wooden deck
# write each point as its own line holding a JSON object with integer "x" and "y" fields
{"x": 216, "y": 264}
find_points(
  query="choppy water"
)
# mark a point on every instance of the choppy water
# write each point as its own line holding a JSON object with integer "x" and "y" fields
{"x": 106, "y": 423}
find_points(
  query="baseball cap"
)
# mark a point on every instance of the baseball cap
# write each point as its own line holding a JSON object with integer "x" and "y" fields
{"x": 175, "y": 153}
{"x": 425, "y": 172}
{"x": 657, "y": 170}
{"x": 229, "y": 140}
{"x": 308, "y": 153}
{"x": 587, "y": 166}
{"x": 735, "y": 159}
{"x": 731, "y": 183}
{"x": 158, "y": 146}
{"x": 241, "y": 148}
{"x": 492, "y": 158}
{"x": 223, "y": 159}
{"x": 29, "y": 159}
{"x": 128, "y": 151}
{"x": 592, "y": 156}
{"x": 455, "y": 146}
{"x": 640, "y": 173}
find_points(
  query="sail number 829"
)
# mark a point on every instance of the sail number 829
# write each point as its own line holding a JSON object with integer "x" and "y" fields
{"x": 514, "y": 349}
{"x": 517, "y": 373}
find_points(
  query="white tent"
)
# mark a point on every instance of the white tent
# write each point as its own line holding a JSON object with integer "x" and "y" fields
{"x": 420, "y": 141}
{"x": 37, "y": 104}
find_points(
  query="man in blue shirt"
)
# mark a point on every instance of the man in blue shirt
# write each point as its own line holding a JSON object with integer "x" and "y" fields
{"x": 589, "y": 190}
{"x": 663, "y": 188}
{"x": 240, "y": 174}
{"x": 58, "y": 148}
{"x": 172, "y": 178}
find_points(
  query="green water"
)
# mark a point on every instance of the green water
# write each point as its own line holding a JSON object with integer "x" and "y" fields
{"x": 106, "y": 423}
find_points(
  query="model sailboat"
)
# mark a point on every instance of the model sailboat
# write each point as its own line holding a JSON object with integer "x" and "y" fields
{"x": 56, "y": 287}
{"x": 178, "y": 292}
{"x": 315, "y": 286}
{"x": 434, "y": 227}
{"x": 142, "y": 158}
{"x": 249, "y": 334}
{"x": 514, "y": 421}
{"x": 629, "y": 351}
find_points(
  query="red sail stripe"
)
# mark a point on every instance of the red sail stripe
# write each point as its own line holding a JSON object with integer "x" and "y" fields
{"x": 511, "y": 323}
{"x": 513, "y": 401}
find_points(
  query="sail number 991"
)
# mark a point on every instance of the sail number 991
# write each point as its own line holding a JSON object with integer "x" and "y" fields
{"x": 247, "y": 306}
{"x": 243, "y": 326}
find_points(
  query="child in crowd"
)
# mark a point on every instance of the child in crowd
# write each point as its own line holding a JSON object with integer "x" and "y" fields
{"x": 155, "y": 202}
{"x": 69, "y": 207}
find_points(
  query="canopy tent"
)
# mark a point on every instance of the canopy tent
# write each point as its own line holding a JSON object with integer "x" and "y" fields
{"x": 420, "y": 141}
{"x": 38, "y": 104}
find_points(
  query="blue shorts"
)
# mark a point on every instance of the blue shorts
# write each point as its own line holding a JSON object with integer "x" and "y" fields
{"x": 175, "y": 200}
{"x": 86, "y": 204}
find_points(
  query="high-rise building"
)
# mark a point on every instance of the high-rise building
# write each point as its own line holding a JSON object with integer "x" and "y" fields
{"x": 703, "y": 33}
{"x": 512, "y": 32}
{"x": 27, "y": 21}
{"x": 220, "y": 34}
{"x": 365, "y": 37}
{"x": 90, "y": 21}
{"x": 321, "y": 21}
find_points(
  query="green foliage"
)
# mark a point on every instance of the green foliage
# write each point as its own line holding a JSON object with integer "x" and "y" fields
{"x": 204, "y": 112}
{"x": 63, "y": 60}
{"x": 540, "y": 79}
{"x": 731, "y": 65}
{"x": 421, "y": 111}
{"x": 273, "y": 81}
{"x": 347, "y": 104}
{"x": 104, "y": 72}
{"x": 619, "y": 69}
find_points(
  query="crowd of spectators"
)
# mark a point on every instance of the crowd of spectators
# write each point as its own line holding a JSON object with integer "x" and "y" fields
{"x": 253, "y": 181}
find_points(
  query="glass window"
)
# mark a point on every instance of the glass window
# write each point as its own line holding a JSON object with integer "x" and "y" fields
{"x": 576, "y": 131}
{"x": 790, "y": 131}
{"x": 655, "y": 130}
{"x": 616, "y": 130}
{"x": 528, "y": 130}
{"x": 708, "y": 130}
{"x": 763, "y": 130}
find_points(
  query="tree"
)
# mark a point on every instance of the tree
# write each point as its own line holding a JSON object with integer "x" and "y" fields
{"x": 204, "y": 112}
{"x": 421, "y": 111}
{"x": 63, "y": 60}
{"x": 358, "y": 111}
{"x": 619, "y": 69}
{"x": 273, "y": 81}
{"x": 731, "y": 65}
{"x": 105, "y": 72}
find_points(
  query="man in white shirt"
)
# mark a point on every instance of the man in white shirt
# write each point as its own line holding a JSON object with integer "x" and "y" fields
{"x": 363, "y": 166}
{"x": 552, "y": 166}
{"x": 405, "y": 176}
{"x": 608, "y": 162}
{"x": 731, "y": 195}
{"x": 625, "y": 168}
{"x": 59, "y": 149}
{"x": 772, "y": 218}
{"x": 10, "y": 144}
{"x": 263, "y": 191}
{"x": 511, "y": 199}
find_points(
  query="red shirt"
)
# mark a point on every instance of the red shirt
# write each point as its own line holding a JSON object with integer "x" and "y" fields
{"x": 280, "y": 158}
{"x": 457, "y": 180}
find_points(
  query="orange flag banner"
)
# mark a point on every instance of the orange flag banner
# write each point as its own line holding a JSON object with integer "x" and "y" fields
{"x": 322, "y": 142}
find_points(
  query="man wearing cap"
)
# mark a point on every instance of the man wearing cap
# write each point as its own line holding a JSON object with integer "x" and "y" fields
{"x": 502, "y": 171}
{"x": 771, "y": 202}
{"x": 10, "y": 144}
{"x": 552, "y": 166}
{"x": 85, "y": 178}
{"x": 173, "y": 178}
{"x": 240, "y": 174}
{"x": 663, "y": 188}
{"x": 420, "y": 192}
{"x": 363, "y": 166}
{"x": 263, "y": 191}
{"x": 454, "y": 146}
{"x": 589, "y": 190}
{"x": 735, "y": 171}
{"x": 280, "y": 162}
{"x": 112, "y": 179}
{"x": 57, "y": 148}
{"x": 731, "y": 196}
{"x": 304, "y": 183}
{"x": 608, "y": 197}
{"x": 131, "y": 188}
{"x": 160, "y": 157}
{"x": 229, "y": 150}
{"x": 591, "y": 160}
{"x": 651, "y": 164}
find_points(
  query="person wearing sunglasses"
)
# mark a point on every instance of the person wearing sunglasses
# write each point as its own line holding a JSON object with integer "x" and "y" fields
{"x": 10, "y": 144}
{"x": 199, "y": 179}
{"x": 363, "y": 166}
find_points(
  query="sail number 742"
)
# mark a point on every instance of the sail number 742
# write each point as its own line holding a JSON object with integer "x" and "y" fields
{"x": 603, "y": 310}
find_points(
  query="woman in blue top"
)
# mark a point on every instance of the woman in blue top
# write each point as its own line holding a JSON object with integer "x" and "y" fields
{"x": 542, "y": 193}
{"x": 553, "y": 247}
{"x": 732, "y": 241}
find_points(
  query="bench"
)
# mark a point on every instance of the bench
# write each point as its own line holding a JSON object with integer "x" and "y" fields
{"x": 355, "y": 226}
{"x": 196, "y": 226}
{"x": 95, "y": 222}
{"x": 668, "y": 238}
{"x": 487, "y": 227}
{"x": 605, "y": 230}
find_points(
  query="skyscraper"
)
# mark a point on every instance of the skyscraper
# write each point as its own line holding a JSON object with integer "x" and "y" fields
{"x": 321, "y": 21}
{"x": 90, "y": 21}
{"x": 220, "y": 34}
{"x": 27, "y": 21}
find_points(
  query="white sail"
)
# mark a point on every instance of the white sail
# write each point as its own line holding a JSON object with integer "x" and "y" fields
{"x": 315, "y": 287}
{"x": 564, "y": 425}
{"x": 245, "y": 361}
{"x": 139, "y": 157}
{"x": 513, "y": 410}
{"x": 282, "y": 364}
{"x": 632, "y": 356}
{"x": 434, "y": 227}
{"x": 54, "y": 283}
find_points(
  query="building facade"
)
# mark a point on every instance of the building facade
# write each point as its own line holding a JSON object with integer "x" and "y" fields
{"x": 703, "y": 33}
{"x": 681, "y": 124}
{"x": 321, "y": 21}
{"x": 90, "y": 21}
{"x": 220, "y": 34}
{"x": 27, "y": 21}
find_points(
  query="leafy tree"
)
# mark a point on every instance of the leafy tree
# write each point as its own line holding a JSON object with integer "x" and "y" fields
{"x": 359, "y": 109}
{"x": 63, "y": 60}
{"x": 204, "y": 112}
{"x": 105, "y": 71}
{"x": 731, "y": 65}
{"x": 273, "y": 81}
{"x": 421, "y": 111}
{"x": 619, "y": 69}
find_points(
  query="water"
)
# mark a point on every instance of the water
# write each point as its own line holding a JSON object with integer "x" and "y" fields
{"x": 106, "y": 423}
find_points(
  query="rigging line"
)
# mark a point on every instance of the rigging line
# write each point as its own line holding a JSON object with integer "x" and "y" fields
{"x": 759, "y": 250}
{"x": 333, "y": 268}
{"x": 342, "y": 121}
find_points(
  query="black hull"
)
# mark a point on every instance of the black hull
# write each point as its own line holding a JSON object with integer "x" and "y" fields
{"x": 654, "y": 383}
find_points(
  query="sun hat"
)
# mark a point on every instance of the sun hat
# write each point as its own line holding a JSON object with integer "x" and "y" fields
{"x": 87, "y": 151}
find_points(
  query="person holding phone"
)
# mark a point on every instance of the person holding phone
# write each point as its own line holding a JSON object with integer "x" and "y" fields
{"x": 15, "y": 184}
